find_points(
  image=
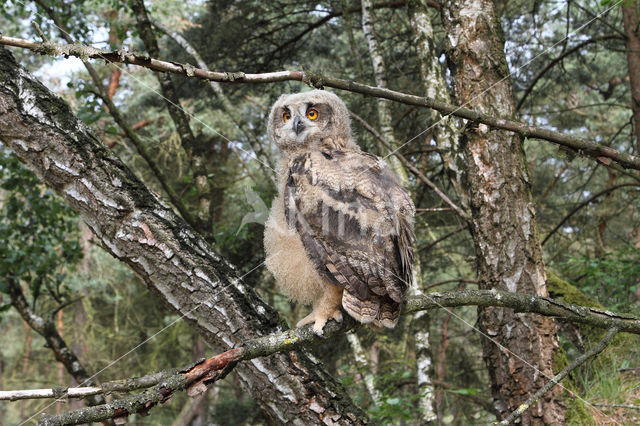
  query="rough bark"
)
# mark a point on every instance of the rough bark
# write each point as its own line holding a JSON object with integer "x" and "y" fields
{"x": 503, "y": 225}
{"x": 136, "y": 228}
{"x": 632, "y": 42}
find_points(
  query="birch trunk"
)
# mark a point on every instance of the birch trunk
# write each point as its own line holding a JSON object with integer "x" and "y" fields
{"x": 419, "y": 323}
{"x": 385, "y": 122}
{"x": 518, "y": 348}
{"x": 445, "y": 132}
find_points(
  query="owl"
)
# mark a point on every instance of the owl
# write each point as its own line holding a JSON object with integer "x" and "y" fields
{"x": 339, "y": 234}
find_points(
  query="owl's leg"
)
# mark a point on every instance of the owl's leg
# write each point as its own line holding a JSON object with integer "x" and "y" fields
{"x": 325, "y": 308}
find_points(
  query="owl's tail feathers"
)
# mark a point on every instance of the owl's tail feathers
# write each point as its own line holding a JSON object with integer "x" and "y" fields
{"x": 388, "y": 314}
{"x": 363, "y": 311}
{"x": 377, "y": 311}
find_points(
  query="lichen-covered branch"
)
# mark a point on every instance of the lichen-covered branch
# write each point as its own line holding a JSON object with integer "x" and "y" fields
{"x": 560, "y": 376}
{"x": 197, "y": 377}
{"x": 581, "y": 146}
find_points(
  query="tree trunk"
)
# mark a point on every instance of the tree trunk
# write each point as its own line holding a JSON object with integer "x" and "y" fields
{"x": 445, "y": 132}
{"x": 518, "y": 349}
{"x": 380, "y": 75}
{"x": 136, "y": 228}
{"x": 632, "y": 42}
{"x": 418, "y": 324}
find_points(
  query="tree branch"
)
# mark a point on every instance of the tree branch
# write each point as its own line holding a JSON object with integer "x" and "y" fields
{"x": 196, "y": 378}
{"x": 580, "y": 145}
{"x": 47, "y": 329}
{"x": 559, "y": 58}
{"x": 125, "y": 385}
{"x": 561, "y": 375}
{"x": 584, "y": 204}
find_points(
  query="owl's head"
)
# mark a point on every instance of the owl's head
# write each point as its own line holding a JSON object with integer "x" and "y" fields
{"x": 300, "y": 121}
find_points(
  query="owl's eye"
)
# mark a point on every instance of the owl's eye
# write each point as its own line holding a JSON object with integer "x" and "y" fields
{"x": 312, "y": 114}
{"x": 286, "y": 116}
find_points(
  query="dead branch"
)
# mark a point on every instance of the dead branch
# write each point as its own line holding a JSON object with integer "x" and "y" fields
{"x": 126, "y": 385}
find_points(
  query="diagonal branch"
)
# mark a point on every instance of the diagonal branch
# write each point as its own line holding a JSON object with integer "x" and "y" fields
{"x": 558, "y": 59}
{"x": 584, "y": 204}
{"x": 561, "y": 375}
{"x": 47, "y": 329}
{"x": 582, "y": 146}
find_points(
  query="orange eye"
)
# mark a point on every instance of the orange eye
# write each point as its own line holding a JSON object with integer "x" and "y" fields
{"x": 286, "y": 116}
{"x": 312, "y": 114}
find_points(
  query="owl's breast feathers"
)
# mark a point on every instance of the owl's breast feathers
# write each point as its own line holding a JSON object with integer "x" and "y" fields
{"x": 356, "y": 224}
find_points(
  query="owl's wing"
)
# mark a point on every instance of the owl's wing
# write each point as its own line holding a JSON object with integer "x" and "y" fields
{"x": 356, "y": 224}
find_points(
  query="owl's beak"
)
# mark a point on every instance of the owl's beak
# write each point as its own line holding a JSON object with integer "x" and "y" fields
{"x": 298, "y": 125}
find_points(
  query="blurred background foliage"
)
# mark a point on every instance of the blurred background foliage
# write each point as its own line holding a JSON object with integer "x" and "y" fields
{"x": 119, "y": 329}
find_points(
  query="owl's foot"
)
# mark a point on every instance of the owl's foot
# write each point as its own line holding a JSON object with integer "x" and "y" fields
{"x": 319, "y": 319}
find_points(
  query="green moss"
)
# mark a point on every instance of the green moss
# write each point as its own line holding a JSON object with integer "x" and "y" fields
{"x": 577, "y": 414}
{"x": 565, "y": 291}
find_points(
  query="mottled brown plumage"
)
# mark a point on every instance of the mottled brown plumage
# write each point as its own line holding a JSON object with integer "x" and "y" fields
{"x": 341, "y": 228}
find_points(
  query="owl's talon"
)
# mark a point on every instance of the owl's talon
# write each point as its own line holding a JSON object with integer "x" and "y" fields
{"x": 337, "y": 316}
{"x": 318, "y": 326}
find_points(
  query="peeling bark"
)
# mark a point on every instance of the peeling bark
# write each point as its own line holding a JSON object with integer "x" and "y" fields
{"x": 136, "y": 228}
{"x": 503, "y": 225}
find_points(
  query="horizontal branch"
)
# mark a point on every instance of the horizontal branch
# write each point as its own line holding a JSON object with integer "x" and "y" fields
{"x": 127, "y": 385}
{"x": 581, "y": 146}
{"x": 196, "y": 378}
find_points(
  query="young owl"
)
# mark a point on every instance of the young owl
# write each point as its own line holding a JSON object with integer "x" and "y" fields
{"x": 340, "y": 230}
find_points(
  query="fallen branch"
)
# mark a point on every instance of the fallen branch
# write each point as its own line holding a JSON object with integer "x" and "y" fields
{"x": 582, "y": 146}
{"x": 561, "y": 375}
